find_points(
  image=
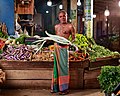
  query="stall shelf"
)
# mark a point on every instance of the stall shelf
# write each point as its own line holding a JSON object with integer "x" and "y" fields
{"x": 91, "y": 74}
{"x": 38, "y": 74}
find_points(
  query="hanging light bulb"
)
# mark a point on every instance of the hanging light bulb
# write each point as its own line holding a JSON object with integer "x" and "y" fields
{"x": 22, "y": 2}
{"x": 49, "y": 3}
{"x": 79, "y": 3}
{"x": 47, "y": 12}
{"x": 94, "y": 15}
{"x": 119, "y": 3}
{"x": 60, "y": 6}
{"x": 107, "y": 12}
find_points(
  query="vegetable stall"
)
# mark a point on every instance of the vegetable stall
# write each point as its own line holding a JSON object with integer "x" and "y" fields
{"x": 28, "y": 61}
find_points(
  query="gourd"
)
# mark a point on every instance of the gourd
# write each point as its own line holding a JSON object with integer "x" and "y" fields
{"x": 55, "y": 38}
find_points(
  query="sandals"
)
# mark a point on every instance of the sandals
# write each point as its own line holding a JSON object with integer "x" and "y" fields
{"x": 64, "y": 92}
{"x": 61, "y": 93}
{"x": 52, "y": 91}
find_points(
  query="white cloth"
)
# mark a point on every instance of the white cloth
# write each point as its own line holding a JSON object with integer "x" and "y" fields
{"x": 18, "y": 27}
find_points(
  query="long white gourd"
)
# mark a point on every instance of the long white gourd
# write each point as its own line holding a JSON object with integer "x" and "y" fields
{"x": 40, "y": 46}
{"x": 58, "y": 38}
{"x": 54, "y": 38}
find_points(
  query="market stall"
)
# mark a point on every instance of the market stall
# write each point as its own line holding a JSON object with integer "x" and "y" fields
{"x": 38, "y": 74}
{"x": 27, "y": 69}
{"x": 91, "y": 74}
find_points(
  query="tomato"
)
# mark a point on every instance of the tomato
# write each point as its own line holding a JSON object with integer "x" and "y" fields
{"x": 2, "y": 43}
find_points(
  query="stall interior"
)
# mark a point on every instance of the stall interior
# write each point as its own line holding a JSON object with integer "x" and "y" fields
{"x": 107, "y": 26}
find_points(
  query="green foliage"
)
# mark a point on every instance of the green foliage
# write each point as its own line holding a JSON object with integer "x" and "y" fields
{"x": 91, "y": 41}
{"x": 3, "y": 35}
{"x": 21, "y": 39}
{"x": 98, "y": 51}
{"x": 109, "y": 78}
{"x": 80, "y": 41}
{"x": 0, "y": 51}
{"x": 89, "y": 45}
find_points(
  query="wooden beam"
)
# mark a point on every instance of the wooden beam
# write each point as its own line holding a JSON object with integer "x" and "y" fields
{"x": 74, "y": 13}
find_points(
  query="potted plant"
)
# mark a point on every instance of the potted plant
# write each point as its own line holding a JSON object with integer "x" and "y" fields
{"x": 109, "y": 78}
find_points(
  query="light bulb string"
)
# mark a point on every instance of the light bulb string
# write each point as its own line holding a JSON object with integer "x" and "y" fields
{"x": 54, "y": 4}
{"x": 79, "y": 3}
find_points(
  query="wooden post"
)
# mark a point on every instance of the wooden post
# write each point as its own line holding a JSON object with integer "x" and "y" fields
{"x": 64, "y": 2}
{"x": 2, "y": 77}
{"x": 74, "y": 13}
{"x": 88, "y": 11}
{"x": 53, "y": 15}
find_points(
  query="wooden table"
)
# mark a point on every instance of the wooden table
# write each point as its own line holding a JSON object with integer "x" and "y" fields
{"x": 38, "y": 74}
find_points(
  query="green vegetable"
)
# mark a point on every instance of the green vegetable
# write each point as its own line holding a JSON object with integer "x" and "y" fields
{"x": 21, "y": 39}
{"x": 3, "y": 35}
{"x": 1, "y": 51}
{"x": 109, "y": 78}
{"x": 98, "y": 51}
{"x": 80, "y": 41}
{"x": 54, "y": 38}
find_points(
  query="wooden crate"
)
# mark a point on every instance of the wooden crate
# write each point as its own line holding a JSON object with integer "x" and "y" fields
{"x": 91, "y": 74}
{"x": 104, "y": 62}
{"x": 38, "y": 74}
{"x": 90, "y": 78}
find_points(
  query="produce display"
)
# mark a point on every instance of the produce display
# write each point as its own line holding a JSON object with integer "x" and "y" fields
{"x": 21, "y": 52}
{"x": 21, "y": 39}
{"x": 80, "y": 41}
{"x": 77, "y": 56}
{"x": 98, "y": 51}
{"x": 80, "y": 49}
{"x": 2, "y": 35}
{"x": 10, "y": 42}
{"x": 14, "y": 41}
{"x": 58, "y": 39}
{"x": 43, "y": 56}
{"x": 47, "y": 55}
{"x": 2, "y": 44}
{"x": 88, "y": 45}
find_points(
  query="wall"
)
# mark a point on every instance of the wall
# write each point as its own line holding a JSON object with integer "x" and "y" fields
{"x": 7, "y": 14}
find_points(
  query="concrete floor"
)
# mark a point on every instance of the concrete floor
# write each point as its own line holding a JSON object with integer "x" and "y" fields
{"x": 44, "y": 92}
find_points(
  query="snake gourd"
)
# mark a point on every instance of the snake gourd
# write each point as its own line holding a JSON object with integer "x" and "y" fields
{"x": 55, "y": 38}
{"x": 58, "y": 39}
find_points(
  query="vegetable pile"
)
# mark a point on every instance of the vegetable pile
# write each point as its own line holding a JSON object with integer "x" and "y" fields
{"x": 77, "y": 56}
{"x": 3, "y": 35}
{"x": 2, "y": 43}
{"x": 43, "y": 56}
{"x": 58, "y": 39}
{"x": 80, "y": 41}
{"x": 98, "y": 51}
{"x": 21, "y": 52}
{"x": 80, "y": 49}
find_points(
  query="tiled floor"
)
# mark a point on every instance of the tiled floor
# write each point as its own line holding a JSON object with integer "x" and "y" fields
{"x": 44, "y": 92}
